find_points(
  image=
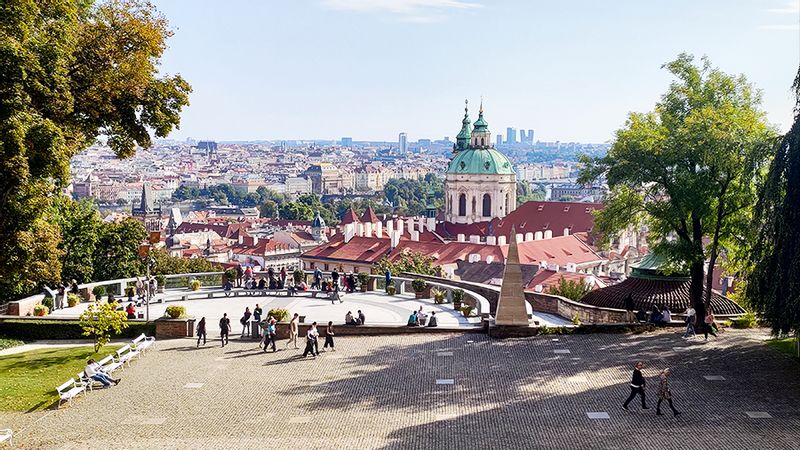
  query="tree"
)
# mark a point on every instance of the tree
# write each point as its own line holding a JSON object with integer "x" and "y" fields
{"x": 117, "y": 252}
{"x": 99, "y": 320}
{"x": 773, "y": 287}
{"x": 570, "y": 289}
{"x": 164, "y": 264}
{"x": 72, "y": 72}
{"x": 688, "y": 168}
{"x": 408, "y": 261}
{"x": 79, "y": 224}
{"x": 296, "y": 211}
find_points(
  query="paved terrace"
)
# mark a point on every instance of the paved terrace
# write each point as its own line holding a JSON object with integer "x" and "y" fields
{"x": 380, "y": 309}
{"x": 382, "y": 393}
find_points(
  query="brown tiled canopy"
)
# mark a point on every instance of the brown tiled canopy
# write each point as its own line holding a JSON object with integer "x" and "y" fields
{"x": 646, "y": 292}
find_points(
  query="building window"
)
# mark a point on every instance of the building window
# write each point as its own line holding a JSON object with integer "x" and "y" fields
{"x": 482, "y": 142}
{"x": 474, "y": 203}
{"x": 462, "y": 205}
{"x": 487, "y": 205}
{"x": 506, "y": 210}
{"x": 326, "y": 267}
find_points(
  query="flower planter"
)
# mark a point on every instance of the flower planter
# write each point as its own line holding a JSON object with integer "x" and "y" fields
{"x": 419, "y": 295}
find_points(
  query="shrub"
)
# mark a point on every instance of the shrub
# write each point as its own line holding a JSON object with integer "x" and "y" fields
{"x": 280, "y": 314}
{"x": 363, "y": 277}
{"x": 298, "y": 275}
{"x": 41, "y": 310}
{"x": 161, "y": 280}
{"x": 576, "y": 320}
{"x": 458, "y": 295}
{"x": 438, "y": 296}
{"x": 99, "y": 291}
{"x": 73, "y": 300}
{"x": 195, "y": 285}
{"x": 175, "y": 311}
{"x": 391, "y": 289}
{"x": 100, "y": 320}
{"x": 48, "y": 302}
{"x": 230, "y": 275}
{"x": 8, "y": 343}
{"x": 573, "y": 290}
{"x": 747, "y": 320}
{"x": 419, "y": 285}
{"x": 466, "y": 310}
{"x": 35, "y": 329}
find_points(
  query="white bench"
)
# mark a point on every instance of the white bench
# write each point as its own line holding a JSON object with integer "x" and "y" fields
{"x": 88, "y": 381}
{"x": 69, "y": 390}
{"x": 143, "y": 342}
{"x": 7, "y": 435}
{"x": 109, "y": 364}
{"x": 126, "y": 354}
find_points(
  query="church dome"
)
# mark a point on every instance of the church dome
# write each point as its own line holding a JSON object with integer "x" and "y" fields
{"x": 318, "y": 222}
{"x": 481, "y": 161}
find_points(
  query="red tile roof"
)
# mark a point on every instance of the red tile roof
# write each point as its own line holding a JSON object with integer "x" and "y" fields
{"x": 349, "y": 217}
{"x": 549, "y": 278}
{"x": 558, "y": 250}
{"x": 369, "y": 216}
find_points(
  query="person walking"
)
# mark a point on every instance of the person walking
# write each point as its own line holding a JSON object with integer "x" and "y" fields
{"x": 387, "y": 276}
{"x": 335, "y": 277}
{"x": 293, "y": 330}
{"x": 257, "y": 312}
{"x": 282, "y": 278}
{"x": 224, "y": 328}
{"x": 239, "y": 275}
{"x": 270, "y": 336}
{"x": 329, "y": 337}
{"x": 664, "y": 393}
{"x": 709, "y": 324}
{"x": 59, "y": 301}
{"x": 317, "y": 284}
{"x": 637, "y": 386}
{"x": 316, "y": 336}
{"x": 245, "y": 321}
{"x": 310, "y": 341}
{"x": 690, "y": 314}
{"x": 201, "y": 331}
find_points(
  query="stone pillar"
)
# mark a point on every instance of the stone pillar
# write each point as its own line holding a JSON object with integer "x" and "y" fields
{"x": 511, "y": 308}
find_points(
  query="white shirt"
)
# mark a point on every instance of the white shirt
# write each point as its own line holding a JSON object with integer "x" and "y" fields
{"x": 690, "y": 312}
{"x": 93, "y": 369}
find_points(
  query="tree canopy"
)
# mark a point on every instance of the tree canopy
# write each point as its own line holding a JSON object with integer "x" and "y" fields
{"x": 689, "y": 168}
{"x": 71, "y": 72}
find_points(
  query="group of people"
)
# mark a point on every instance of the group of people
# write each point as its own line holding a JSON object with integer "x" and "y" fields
{"x": 347, "y": 281}
{"x": 662, "y": 316}
{"x": 63, "y": 290}
{"x": 349, "y": 319}
{"x": 145, "y": 286}
{"x": 638, "y": 384}
{"x": 420, "y": 319}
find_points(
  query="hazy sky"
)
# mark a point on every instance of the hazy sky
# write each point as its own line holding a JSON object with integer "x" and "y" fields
{"x": 571, "y": 69}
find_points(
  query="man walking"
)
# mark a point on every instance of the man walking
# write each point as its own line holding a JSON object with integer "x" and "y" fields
{"x": 637, "y": 386}
{"x": 224, "y": 328}
{"x": 690, "y": 316}
{"x": 245, "y": 321}
{"x": 257, "y": 312}
{"x": 270, "y": 336}
{"x": 293, "y": 330}
{"x": 317, "y": 284}
{"x": 311, "y": 340}
{"x": 335, "y": 277}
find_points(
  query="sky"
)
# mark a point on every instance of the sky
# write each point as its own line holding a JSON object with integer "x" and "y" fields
{"x": 369, "y": 69}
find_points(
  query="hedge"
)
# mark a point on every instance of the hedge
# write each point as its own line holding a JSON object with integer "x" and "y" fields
{"x": 28, "y": 330}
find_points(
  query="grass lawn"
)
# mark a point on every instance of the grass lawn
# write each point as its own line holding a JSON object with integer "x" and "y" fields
{"x": 28, "y": 380}
{"x": 8, "y": 342}
{"x": 787, "y": 345}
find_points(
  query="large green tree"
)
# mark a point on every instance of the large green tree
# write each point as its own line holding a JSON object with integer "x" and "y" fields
{"x": 688, "y": 169}
{"x": 117, "y": 252}
{"x": 71, "y": 71}
{"x": 773, "y": 287}
{"x": 80, "y": 225}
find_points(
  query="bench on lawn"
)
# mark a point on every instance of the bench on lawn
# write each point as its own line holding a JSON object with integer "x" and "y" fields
{"x": 7, "y": 435}
{"x": 142, "y": 343}
{"x": 69, "y": 390}
{"x": 126, "y": 354}
{"x": 109, "y": 364}
{"x": 88, "y": 381}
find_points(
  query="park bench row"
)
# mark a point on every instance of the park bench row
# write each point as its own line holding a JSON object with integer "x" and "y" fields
{"x": 112, "y": 362}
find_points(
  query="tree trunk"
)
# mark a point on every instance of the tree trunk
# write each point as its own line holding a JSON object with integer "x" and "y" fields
{"x": 696, "y": 272}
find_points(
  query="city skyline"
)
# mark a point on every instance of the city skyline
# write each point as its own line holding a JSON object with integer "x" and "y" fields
{"x": 371, "y": 69}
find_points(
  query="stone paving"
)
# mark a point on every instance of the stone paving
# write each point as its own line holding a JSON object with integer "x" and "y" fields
{"x": 382, "y": 393}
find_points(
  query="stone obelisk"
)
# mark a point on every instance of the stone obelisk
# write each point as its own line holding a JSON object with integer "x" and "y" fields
{"x": 511, "y": 309}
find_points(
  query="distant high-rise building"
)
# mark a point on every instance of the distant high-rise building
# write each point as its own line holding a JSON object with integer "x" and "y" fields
{"x": 347, "y": 142}
{"x": 530, "y": 137}
{"x": 511, "y": 135}
{"x": 402, "y": 143}
{"x": 499, "y": 140}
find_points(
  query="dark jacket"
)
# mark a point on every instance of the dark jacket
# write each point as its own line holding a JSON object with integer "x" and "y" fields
{"x": 638, "y": 379}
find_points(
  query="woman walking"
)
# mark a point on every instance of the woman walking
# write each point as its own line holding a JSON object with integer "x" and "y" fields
{"x": 201, "y": 331}
{"x": 329, "y": 337}
{"x": 664, "y": 393}
{"x": 709, "y": 324}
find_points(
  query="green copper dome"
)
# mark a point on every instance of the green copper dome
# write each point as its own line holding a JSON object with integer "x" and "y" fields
{"x": 482, "y": 161}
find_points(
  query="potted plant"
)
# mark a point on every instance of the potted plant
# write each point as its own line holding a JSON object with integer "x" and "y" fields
{"x": 298, "y": 276}
{"x": 73, "y": 300}
{"x": 363, "y": 280}
{"x": 438, "y": 295}
{"x": 419, "y": 286}
{"x": 466, "y": 310}
{"x": 41, "y": 310}
{"x": 161, "y": 280}
{"x": 195, "y": 284}
{"x": 175, "y": 311}
{"x": 99, "y": 291}
{"x": 279, "y": 314}
{"x": 391, "y": 290}
{"x": 458, "y": 297}
{"x": 229, "y": 275}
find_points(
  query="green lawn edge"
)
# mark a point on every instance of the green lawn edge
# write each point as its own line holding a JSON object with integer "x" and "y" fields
{"x": 786, "y": 345}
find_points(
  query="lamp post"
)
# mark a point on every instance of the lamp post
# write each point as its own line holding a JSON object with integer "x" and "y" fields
{"x": 144, "y": 252}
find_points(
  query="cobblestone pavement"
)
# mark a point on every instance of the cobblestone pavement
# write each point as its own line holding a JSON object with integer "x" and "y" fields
{"x": 382, "y": 392}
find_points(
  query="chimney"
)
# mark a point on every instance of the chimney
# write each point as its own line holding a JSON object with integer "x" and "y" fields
{"x": 571, "y": 267}
{"x": 431, "y": 224}
{"x": 548, "y": 234}
{"x": 255, "y": 240}
{"x": 394, "y": 238}
{"x": 349, "y": 230}
{"x": 421, "y": 224}
{"x": 474, "y": 257}
{"x": 543, "y": 264}
{"x": 400, "y": 226}
{"x": 460, "y": 238}
{"x": 528, "y": 236}
{"x": 474, "y": 239}
{"x": 241, "y": 239}
{"x": 415, "y": 235}
{"x": 360, "y": 229}
{"x": 501, "y": 240}
{"x": 390, "y": 227}
{"x": 491, "y": 240}
{"x": 538, "y": 235}
{"x": 379, "y": 230}
{"x": 566, "y": 231}
{"x": 553, "y": 267}
{"x": 489, "y": 259}
{"x": 368, "y": 229}
{"x": 518, "y": 238}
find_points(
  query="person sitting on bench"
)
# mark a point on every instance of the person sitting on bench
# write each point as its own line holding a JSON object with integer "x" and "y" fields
{"x": 432, "y": 321}
{"x": 95, "y": 371}
{"x": 349, "y": 320}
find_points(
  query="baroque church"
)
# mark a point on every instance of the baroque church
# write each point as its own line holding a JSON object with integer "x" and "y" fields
{"x": 480, "y": 182}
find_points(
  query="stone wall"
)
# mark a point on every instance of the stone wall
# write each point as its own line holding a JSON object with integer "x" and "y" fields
{"x": 25, "y": 306}
{"x": 174, "y": 328}
{"x": 568, "y": 309}
{"x": 491, "y": 293}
